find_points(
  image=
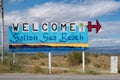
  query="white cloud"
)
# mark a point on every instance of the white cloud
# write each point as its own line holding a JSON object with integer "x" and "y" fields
{"x": 104, "y": 42}
{"x": 108, "y": 36}
{"x": 60, "y": 12}
{"x": 13, "y": 1}
{"x": 64, "y": 12}
{"x": 108, "y": 28}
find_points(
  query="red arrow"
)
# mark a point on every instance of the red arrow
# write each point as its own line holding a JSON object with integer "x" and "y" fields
{"x": 97, "y": 26}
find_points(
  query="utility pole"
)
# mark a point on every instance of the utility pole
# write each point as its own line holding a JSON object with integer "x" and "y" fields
{"x": 2, "y": 30}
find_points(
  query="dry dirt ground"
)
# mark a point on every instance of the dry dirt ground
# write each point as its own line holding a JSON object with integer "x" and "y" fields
{"x": 99, "y": 64}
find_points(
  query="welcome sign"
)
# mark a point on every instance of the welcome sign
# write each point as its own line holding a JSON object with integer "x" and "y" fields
{"x": 35, "y": 37}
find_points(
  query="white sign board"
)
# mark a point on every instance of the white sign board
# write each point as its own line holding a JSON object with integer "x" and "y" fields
{"x": 114, "y": 64}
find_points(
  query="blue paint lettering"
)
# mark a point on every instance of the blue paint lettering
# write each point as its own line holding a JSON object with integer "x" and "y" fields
{"x": 63, "y": 39}
{"x": 47, "y": 38}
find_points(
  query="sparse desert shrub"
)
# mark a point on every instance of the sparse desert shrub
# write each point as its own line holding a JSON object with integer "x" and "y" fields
{"x": 87, "y": 59}
{"x": 119, "y": 70}
{"x": 65, "y": 71}
{"x": 96, "y": 55}
{"x": 91, "y": 72}
{"x": 54, "y": 64}
{"x": 4, "y": 68}
{"x": 41, "y": 55}
{"x": 8, "y": 65}
{"x": 38, "y": 69}
{"x": 75, "y": 58}
{"x": 16, "y": 67}
{"x": 34, "y": 57}
{"x": 97, "y": 65}
{"x": 65, "y": 56}
{"x": 38, "y": 56}
{"x": 42, "y": 63}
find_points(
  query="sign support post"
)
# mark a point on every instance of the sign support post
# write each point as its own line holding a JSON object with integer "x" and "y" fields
{"x": 14, "y": 55}
{"x": 83, "y": 61}
{"x": 49, "y": 63}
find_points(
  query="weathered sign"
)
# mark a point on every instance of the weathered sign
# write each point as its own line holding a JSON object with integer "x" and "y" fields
{"x": 34, "y": 37}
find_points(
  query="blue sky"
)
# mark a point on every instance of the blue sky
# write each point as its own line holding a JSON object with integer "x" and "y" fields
{"x": 106, "y": 11}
